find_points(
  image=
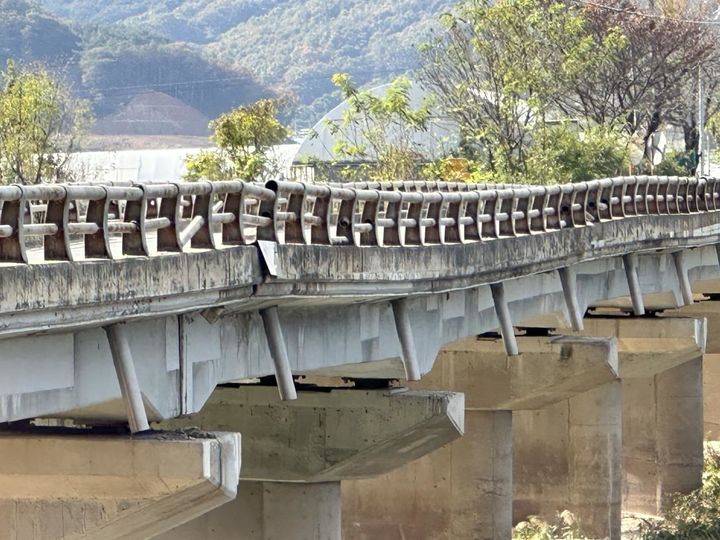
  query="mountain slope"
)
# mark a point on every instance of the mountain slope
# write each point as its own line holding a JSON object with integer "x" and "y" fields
{"x": 300, "y": 44}
{"x": 29, "y": 34}
{"x": 293, "y": 45}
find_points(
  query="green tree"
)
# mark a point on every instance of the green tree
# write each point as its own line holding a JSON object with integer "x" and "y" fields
{"x": 378, "y": 131}
{"x": 561, "y": 153}
{"x": 40, "y": 124}
{"x": 501, "y": 69}
{"x": 244, "y": 137}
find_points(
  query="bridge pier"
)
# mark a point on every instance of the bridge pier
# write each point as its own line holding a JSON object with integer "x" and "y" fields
{"x": 465, "y": 490}
{"x": 298, "y": 452}
{"x": 69, "y": 485}
{"x": 270, "y": 510}
{"x": 710, "y": 310}
{"x": 567, "y": 457}
{"x": 461, "y": 491}
{"x": 661, "y": 365}
{"x": 565, "y": 453}
{"x": 663, "y": 437}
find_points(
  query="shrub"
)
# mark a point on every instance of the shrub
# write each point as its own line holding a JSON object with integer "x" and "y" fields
{"x": 562, "y": 154}
{"x": 695, "y": 516}
{"x": 677, "y": 163}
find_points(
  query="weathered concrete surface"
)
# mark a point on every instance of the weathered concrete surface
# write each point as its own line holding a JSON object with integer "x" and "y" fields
{"x": 270, "y": 511}
{"x": 548, "y": 370}
{"x": 648, "y": 346}
{"x": 351, "y": 333}
{"x": 464, "y": 491}
{"x": 322, "y": 271}
{"x": 109, "y": 487}
{"x": 661, "y": 369}
{"x": 710, "y": 310}
{"x": 70, "y": 295}
{"x": 661, "y": 419}
{"x": 711, "y": 395}
{"x": 568, "y": 457}
{"x": 331, "y": 435}
{"x": 662, "y": 437}
{"x": 493, "y": 261}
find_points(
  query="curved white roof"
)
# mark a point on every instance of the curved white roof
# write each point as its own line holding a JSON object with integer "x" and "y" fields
{"x": 441, "y": 137}
{"x": 148, "y": 166}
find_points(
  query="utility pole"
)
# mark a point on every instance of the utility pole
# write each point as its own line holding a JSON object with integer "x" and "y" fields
{"x": 700, "y": 123}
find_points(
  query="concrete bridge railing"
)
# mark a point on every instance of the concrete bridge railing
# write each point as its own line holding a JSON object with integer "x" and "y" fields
{"x": 151, "y": 219}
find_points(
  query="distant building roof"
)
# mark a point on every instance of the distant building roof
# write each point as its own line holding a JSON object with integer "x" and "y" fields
{"x": 441, "y": 137}
{"x": 149, "y": 166}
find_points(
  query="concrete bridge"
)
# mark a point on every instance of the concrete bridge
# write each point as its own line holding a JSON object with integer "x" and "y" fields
{"x": 281, "y": 311}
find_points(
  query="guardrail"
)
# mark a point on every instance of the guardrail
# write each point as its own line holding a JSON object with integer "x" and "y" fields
{"x": 151, "y": 219}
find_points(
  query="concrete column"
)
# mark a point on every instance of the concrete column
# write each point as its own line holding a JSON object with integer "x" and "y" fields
{"x": 595, "y": 443}
{"x": 680, "y": 429}
{"x": 56, "y": 485}
{"x": 598, "y": 452}
{"x": 663, "y": 435}
{"x": 711, "y": 394}
{"x": 270, "y": 511}
{"x": 710, "y": 310}
{"x": 661, "y": 370}
{"x": 464, "y": 490}
{"x": 567, "y": 457}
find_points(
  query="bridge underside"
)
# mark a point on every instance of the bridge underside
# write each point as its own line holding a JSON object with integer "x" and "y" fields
{"x": 181, "y": 358}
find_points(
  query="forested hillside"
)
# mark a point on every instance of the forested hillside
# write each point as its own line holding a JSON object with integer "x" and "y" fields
{"x": 109, "y": 64}
{"x": 292, "y": 46}
{"x": 27, "y": 32}
{"x": 121, "y": 60}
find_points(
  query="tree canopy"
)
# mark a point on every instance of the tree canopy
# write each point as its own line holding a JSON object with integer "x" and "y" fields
{"x": 40, "y": 123}
{"x": 500, "y": 71}
{"x": 244, "y": 138}
{"x": 534, "y": 84}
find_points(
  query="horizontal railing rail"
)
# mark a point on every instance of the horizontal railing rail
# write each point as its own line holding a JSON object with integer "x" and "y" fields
{"x": 77, "y": 222}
